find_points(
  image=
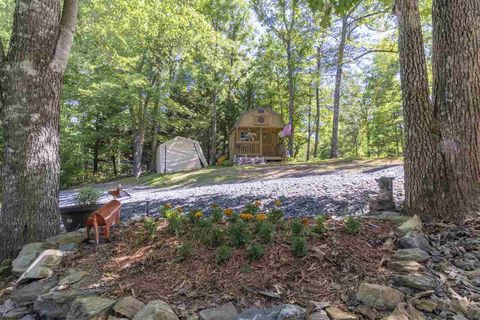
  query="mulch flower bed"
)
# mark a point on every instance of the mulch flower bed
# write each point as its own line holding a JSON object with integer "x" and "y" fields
{"x": 149, "y": 269}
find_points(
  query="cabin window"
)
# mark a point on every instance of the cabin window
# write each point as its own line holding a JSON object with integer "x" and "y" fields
{"x": 244, "y": 136}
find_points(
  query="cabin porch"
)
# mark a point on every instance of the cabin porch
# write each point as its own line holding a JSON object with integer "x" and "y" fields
{"x": 260, "y": 142}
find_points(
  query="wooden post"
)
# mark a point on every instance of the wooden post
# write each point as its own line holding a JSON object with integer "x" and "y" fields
{"x": 261, "y": 141}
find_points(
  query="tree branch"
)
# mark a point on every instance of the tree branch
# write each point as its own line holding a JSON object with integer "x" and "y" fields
{"x": 65, "y": 38}
{"x": 367, "y": 16}
{"x": 368, "y": 52}
{"x": 2, "y": 53}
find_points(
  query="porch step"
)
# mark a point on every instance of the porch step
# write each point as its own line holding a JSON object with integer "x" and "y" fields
{"x": 249, "y": 160}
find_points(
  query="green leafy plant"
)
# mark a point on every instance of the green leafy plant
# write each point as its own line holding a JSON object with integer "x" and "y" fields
{"x": 87, "y": 196}
{"x": 175, "y": 221}
{"x": 151, "y": 226}
{"x": 265, "y": 231}
{"x": 299, "y": 246}
{"x": 217, "y": 236}
{"x": 297, "y": 228}
{"x": 217, "y": 214}
{"x": 184, "y": 250}
{"x": 319, "y": 226}
{"x": 353, "y": 225}
{"x": 239, "y": 233}
{"x": 247, "y": 269}
{"x": 252, "y": 208}
{"x": 276, "y": 215}
{"x": 191, "y": 215}
{"x": 255, "y": 251}
{"x": 222, "y": 254}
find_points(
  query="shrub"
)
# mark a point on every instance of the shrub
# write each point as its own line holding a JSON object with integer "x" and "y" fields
{"x": 191, "y": 214}
{"x": 217, "y": 236}
{"x": 297, "y": 227}
{"x": 239, "y": 233}
{"x": 164, "y": 208}
{"x": 150, "y": 225}
{"x": 353, "y": 225}
{"x": 175, "y": 221}
{"x": 320, "y": 227}
{"x": 184, "y": 251}
{"x": 265, "y": 231}
{"x": 87, "y": 196}
{"x": 252, "y": 208}
{"x": 255, "y": 251}
{"x": 276, "y": 215}
{"x": 299, "y": 246}
{"x": 222, "y": 254}
{"x": 217, "y": 214}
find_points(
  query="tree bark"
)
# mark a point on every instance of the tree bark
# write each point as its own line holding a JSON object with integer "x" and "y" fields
{"x": 31, "y": 77}
{"x": 139, "y": 137}
{"x": 317, "y": 100}
{"x": 213, "y": 137}
{"x": 291, "y": 98}
{"x": 309, "y": 127}
{"x": 456, "y": 106}
{"x": 418, "y": 111}
{"x": 338, "y": 87}
{"x": 155, "y": 131}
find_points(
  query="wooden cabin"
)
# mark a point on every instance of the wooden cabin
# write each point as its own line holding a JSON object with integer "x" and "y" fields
{"x": 257, "y": 134}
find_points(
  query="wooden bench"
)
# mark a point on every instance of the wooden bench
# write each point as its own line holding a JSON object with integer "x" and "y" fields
{"x": 106, "y": 216}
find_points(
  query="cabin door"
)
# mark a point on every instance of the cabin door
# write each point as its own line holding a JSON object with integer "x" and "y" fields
{"x": 268, "y": 142}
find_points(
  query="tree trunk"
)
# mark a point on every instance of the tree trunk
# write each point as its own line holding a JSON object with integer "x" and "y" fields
{"x": 213, "y": 137}
{"x": 114, "y": 165}
{"x": 96, "y": 149}
{"x": 309, "y": 129}
{"x": 420, "y": 149}
{"x": 317, "y": 100}
{"x": 338, "y": 87}
{"x": 456, "y": 106}
{"x": 31, "y": 78}
{"x": 291, "y": 99}
{"x": 139, "y": 137}
{"x": 155, "y": 131}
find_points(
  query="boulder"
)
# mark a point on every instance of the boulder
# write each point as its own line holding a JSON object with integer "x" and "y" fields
{"x": 55, "y": 304}
{"x": 414, "y": 223}
{"x": 73, "y": 279}
{"x": 27, "y": 294}
{"x": 128, "y": 307}
{"x": 416, "y": 239}
{"x": 43, "y": 266}
{"x": 226, "y": 312}
{"x": 91, "y": 307}
{"x": 383, "y": 201}
{"x": 415, "y": 254}
{"x": 319, "y": 315}
{"x": 338, "y": 314}
{"x": 156, "y": 310}
{"x": 367, "y": 312}
{"x": 283, "y": 312}
{"x": 27, "y": 255}
{"x": 404, "y": 266}
{"x": 380, "y": 297}
{"x": 425, "y": 305}
{"x": 76, "y": 237}
{"x": 405, "y": 312}
{"x": 420, "y": 281}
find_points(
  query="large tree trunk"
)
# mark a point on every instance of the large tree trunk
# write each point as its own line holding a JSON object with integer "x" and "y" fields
{"x": 31, "y": 78}
{"x": 420, "y": 148}
{"x": 309, "y": 127}
{"x": 213, "y": 137}
{"x": 456, "y": 106}
{"x": 139, "y": 137}
{"x": 338, "y": 88}
{"x": 155, "y": 131}
{"x": 291, "y": 99}
{"x": 317, "y": 101}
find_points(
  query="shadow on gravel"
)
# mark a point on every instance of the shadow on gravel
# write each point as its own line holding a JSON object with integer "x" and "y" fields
{"x": 381, "y": 168}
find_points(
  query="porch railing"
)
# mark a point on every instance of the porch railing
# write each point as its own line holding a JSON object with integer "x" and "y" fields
{"x": 247, "y": 148}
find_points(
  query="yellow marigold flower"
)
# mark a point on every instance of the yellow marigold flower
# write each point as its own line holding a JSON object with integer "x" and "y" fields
{"x": 258, "y": 203}
{"x": 198, "y": 214}
{"x": 305, "y": 222}
{"x": 180, "y": 209}
{"x": 261, "y": 217}
{"x": 228, "y": 212}
{"x": 168, "y": 206}
{"x": 246, "y": 216}
{"x": 278, "y": 203}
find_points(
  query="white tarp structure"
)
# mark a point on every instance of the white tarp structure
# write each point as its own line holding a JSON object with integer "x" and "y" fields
{"x": 179, "y": 154}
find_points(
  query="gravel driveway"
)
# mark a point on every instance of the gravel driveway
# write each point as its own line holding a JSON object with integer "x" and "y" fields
{"x": 335, "y": 193}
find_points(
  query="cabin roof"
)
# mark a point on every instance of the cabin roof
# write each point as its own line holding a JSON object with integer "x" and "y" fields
{"x": 266, "y": 110}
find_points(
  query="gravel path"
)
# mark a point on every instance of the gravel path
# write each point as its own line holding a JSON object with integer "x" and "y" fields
{"x": 335, "y": 193}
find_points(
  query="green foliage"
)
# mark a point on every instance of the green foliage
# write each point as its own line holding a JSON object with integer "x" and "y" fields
{"x": 175, "y": 221}
{"x": 265, "y": 231}
{"x": 217, "y": 236}
{"x": 276, "y": 215}
{"x": 5, "y": 268}
{"x": 151, "y": 226}
{"x": 87, "y": 196}
{"x": 353, "y": 225}
{"x": 255, "y": 251}
{"x": 247, "y": 269}
{"x": 184, "y": 250}
{"x": 223, "y": 254}
{"x": 319, "y": 226}
{"x": 251, "y": 208}
{"x": 239, "y": 233}
{"x": 299, "y": 246}
{"x": 217, "y": 214}
{"x": 297, "y": 228}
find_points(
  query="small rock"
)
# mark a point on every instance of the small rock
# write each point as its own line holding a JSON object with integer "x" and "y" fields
{"x": 418, "y": 281}
{"x": 405, "y": 266}
{"x": 55, "y": 304}
{"x": 72, "y": 278}
{"x": 226, "y": 311}
{"x": 389, "y": 216}
{"x": 27, "y": 294}
{"x": 459, "y": 317}
{"x": 42, "y": 266}
{"x": 405, "y": 312}
{"x": 92, "y": 307}
{"x": 77, "y": 237}
{"x": 389, "y": 245}
{"x": 27, "y": 255}
{"x": 319, "y": 315}
{"x": 338, "y": 314}
{"x": 415, "y": 254}
{"x": 128, "y": 307}
{"x": 416, "y": 239}
{"x": 380, "y": 297}
{"x": 425, "y": 305}
{"x": 156, "y": 310}
{"x": 27, "y": 317}
{"x": 414, "y": 223}
{"x": 292, "y": 312}
{"x": 368, "y": 312}
{"x": 283, "y": 312}
{"x": 68, "y": 247}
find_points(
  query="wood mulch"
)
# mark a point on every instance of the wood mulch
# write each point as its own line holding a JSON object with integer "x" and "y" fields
{"x": 331, "y": 271}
